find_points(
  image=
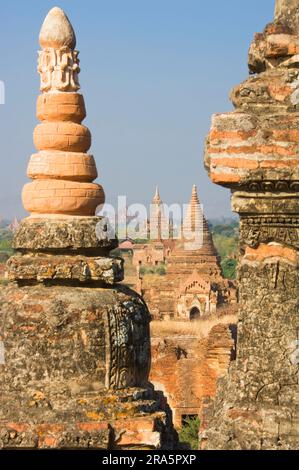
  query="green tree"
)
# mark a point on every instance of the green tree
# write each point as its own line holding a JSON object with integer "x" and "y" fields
{"x": 6, "y": 246}
{"x": 189, "y": 432}
{"x": 229, "y": 267}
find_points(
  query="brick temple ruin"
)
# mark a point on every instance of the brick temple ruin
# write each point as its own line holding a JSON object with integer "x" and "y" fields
{"x": 193, "y": 286}
{"x": 76, "y": 344}
{"x": 254, "y": 151}
{"x": 186, "y": 366}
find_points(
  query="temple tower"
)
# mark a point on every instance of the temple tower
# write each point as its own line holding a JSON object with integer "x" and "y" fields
{"x": 254, "y": 151}
{"x": 154, "y": 222}
{"x": 160, "y": 241}
{"x": 158, "y": 223}
{"x": 195, "y": 250}
{"x": 76, "y": 345}
{"x": 193, "y": 285}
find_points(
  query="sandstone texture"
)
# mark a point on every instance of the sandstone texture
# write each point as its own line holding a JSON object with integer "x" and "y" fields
{"x": 86, "y": 235}
{"x": 68, "y": 334}
{"x": 43, "y": 268}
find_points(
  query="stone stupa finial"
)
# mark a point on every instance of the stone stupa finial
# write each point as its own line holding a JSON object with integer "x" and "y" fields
{"x": 58, "y": 63}
{"x": 57, "y": 31}
{"x": 62, "y": 198}
{"x": 62, "y": 171}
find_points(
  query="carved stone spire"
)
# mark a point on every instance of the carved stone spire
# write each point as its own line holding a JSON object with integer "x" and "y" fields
{"x": 58, "y": 63}
{"x": 62, "y": 170}
{"x": 195, "y": 227}
{"x": 62, "y": 197}
{"x": 194, "y": 196}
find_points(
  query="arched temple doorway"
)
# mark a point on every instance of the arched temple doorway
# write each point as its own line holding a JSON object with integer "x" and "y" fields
{"x": 194, "y": 313}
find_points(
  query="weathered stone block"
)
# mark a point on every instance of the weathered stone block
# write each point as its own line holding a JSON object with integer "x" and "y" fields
{"x": 60, "y": 234}
{"x": 82, "y": 269}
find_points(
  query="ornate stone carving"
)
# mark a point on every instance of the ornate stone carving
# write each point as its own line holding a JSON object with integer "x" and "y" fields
{"x": 270, "y": 186}
{"x": 127, "y": 325}
{"x": 59, "y": 69}
{"x": 282, "y": 229}
{"x": 58, "y": 63}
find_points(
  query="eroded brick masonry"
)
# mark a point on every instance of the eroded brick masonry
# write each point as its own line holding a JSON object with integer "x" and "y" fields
{"x": 254, "y": 151}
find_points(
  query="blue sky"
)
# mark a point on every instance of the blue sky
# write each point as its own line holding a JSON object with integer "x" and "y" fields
{"x": 153, "y": 73}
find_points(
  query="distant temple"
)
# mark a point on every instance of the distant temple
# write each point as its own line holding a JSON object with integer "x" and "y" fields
{"x": 160, "y": 237}
{"x": 193, "y": 285}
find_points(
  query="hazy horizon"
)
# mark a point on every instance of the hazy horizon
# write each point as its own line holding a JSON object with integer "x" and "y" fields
{"x": 152, "y": 75}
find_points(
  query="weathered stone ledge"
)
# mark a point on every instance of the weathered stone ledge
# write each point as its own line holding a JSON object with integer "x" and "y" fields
{"x": 87, "y": 234}
{"x": 71, "y": 268}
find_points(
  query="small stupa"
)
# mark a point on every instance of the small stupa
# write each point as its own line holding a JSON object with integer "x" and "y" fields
{"x": 62, "y": 239}
{"x": 62, "y": 170}
{"x": 76, "y": 345}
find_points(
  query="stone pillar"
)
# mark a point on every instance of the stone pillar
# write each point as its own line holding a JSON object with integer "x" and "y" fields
{"x": 287, "y": 12}
{"x": 254, "y": 150}
{"x": 76, "y": 345}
